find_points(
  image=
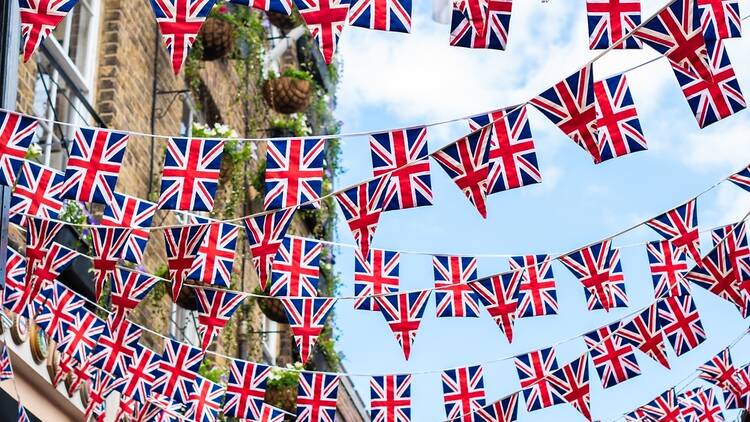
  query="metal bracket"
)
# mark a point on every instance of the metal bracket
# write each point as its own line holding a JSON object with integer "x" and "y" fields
{"x": 182, "y": 94}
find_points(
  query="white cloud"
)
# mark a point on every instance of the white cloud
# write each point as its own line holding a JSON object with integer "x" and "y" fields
{"x": 726, "y": 145}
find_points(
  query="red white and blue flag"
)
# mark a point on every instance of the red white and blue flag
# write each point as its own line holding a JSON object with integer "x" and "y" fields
{"x": 703, "y": 404}
{"x": 533, "y": 370}
{"x": 466, "y": 161}
{"x": 294, "y": 173}
{"x": 316, "y": 397}
{"x": 278, "y": 6}
{"x": 716, "y": 274}
{"x": 619, "y": 130}
{"x": 94, "y": 165}
{"x": 570, "y": 105}
{"x": 6, "y": 370}
{"x": 117, "y": 346}
{"x": 609, "y": 21}
{"x": 663, "y": 408}
{"x": 141, "y": 375}
{"x": 499, "y": 295}
{"x": 402, "y": 155}
{"x": 668, "y": 269}
{"x": 133, "y": 213}
{"x": 37, "y": 193}
{"x": 16, "y": 134}
{"x": 382, "y": 15}
{"x": 592, "y": 266}
{"x": 246, "y": 389}
{"x": 537, "y": 291}
{"x": 678, "y": 318}
{"x": 215, "y": 259}
{"x": 82, "y": 336}
{"x": 733, "y": 244}
{"x": 513, "y": 160}
{"x": 129, "y": 288}
{"x": 613, "y": 358}
{"x": 737, "y": 396}
{"x": 307, "y": 318}
{"x": 40, "y": 233}
{"x": 15, "y": 280}
{"x": 643, "y": 332}
{"x": 46, "y": 272}
{"x": 22, "y": 416}
{"x": 38, "y": 19}
{"x": 108, "y": 244}
{"x": 215, "y": 308}
{"x": 463, "y": 392}
{"x": 719, "y": 370}
{"x": 503, "y": 410}
{"x": 680, "y": 226}
{"x": 403, "y": 312}
{"x": 61, "y": 306}
{"x": 191, "y": 172}
{"x": 296, "y": 268}
{"x": 481, "y": 23}
{"x": 742, "y": 178}
{"x": 325, "y": 19}
{"x": 361, "y": 206}
{"x": 453, "y": 294}
{"x": 264, "y": 234}
{"x": 571, "y": 384}
{"x": 179, "y": 23}
{"x": 269, "y": 413}
{"x": 99, "y": 387}
{"x": 205, "y": 401}
{"x": 375, "y": 275}
{"x": 176, "y": 373}
{"x": 390, "y": 398}
{"x": 720, "y": 19}
{"x": 182, "y": 245}
{"x": 617, "y": 294}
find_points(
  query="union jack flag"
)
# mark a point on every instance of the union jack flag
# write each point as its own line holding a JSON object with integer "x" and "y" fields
{"x": 182, "y": 247}
{"x": 719, "y": 370}
{"x": 513, "y": 160}
{"x": 704, "y": 404}
{"x": 570, "y": 104}
{"x": 246, "y": 389}
{"x": 503, "y": 410}
{"x": 99, "y": 387}
{"x": 316, "y": 397}
{"x": 325, "y": 19}
{"x": 481, "y": 23}
{"x": 82, "y": 336}
{"x": 453, "y": 294}
{"x": 191, "y": 171}
{"x": 40, "y": 234}
{"x": 403, "y": 312}
{"x": 613, "y": 358}
{"x": 383, "y": 15}
{"x": 375, "y": 275}
{"x": 663, "y": 408}
{"x": 732, "y": 243}
{"x": 643, "y": 332}
{"x": 668, "y": 269}
{"x": 64, "y": 368}
{"x": 571, "y": 383}
{"x": 80, "y": 374}
{"x": 215, "y": 259}
{"x": 175, "y": 375}
{"x": 715, "y": 274}
{"x": 499, "y": 295}
{"x": 16, "y": 134}
{"x": 537, "y": 293}
{"x": 265, "y": 233}
{"x": 712, "y": 99}
{"x": 22, "y": 416}
{"x": 16, "y": 269}
{"x": 135, "y": 214}
{"x": 116, "y": 347}
{"x": 37, "y": 193}
{"x": 742, "y": 178}
{"x": 205, "y": 401}
{"x": 680, "y": 226}
{"x": 467, "y": 163}
{"x": 720, "y": 19}
{"x": 533, "y": 370}
{"x": 6, "y": 370}
{"x": 278, "y": 6}
{"x": 592, "y": 266}
{"x": 294, "y": 172}
{"x": 296, "y": 268}
{"x": 390, "y": 398}
{"x": 94, "y": 165}
{"x": 129, "y": 288}
{"x": 609, "y": 21}
{"x": 678, "y": 318}
{"x": 107, "y": 244}
{"x": 463, "y": 392}
{"x": 61, "y": 307}
{"x": 402, "y": 156}
{"x": 269, "y": 413}
{"x": 57, "y": 259}
{"x": 38, "y": 19}
{"x": 179, "y": 22}
{"x": 615, "y": 289}
{"x": 361, "y": 206}
{"x": 141, "y": 375}
{"x": 736, "y": 396}
{"x": 215, "y": 308}
{"x": 618, "y": 128}
{"x": 307, "y": 317}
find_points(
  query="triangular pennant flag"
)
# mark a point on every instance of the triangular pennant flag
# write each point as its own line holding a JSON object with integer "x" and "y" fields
{"x": 16, "y": 135}
{"x": 182, "y": 247}
{"x": 107, "y": 244}
{"x": 390, "y": 398}
{"x": 135, "y": 214}
{"x": 571, "y": 383}
{"x": 264, "y": 234}
{"x": 592, "y": 266}
{"x": 618, "y": 127}
{"x": 454, "y": 296}
{"x": 296, "y": 268}
{"x": 499, "y": 295}
{"x": 39, "y": 19}
{"x": 570, "y": 105}
{"x": 644, "y": 333}
{"x": 403, "y": 312}
{"x": 680, "y": 322}
{"x": 215, "y": 260}
{"x": 129, "y": 288}
{"x": 614, "y": 359}
{"x": 466, "y": 161}
{"x": 609, "y": 21}
{"x": 307, "y": 317}
{"x": 6, "y": 370}
{"x": 325, "y": 19}
{"x": 742, "y": 178}
{"x": 191, "y": 170}
{"x": 179, "y": 23}
{"x": 680, "y": 226}
{"x": 375, "y": 275}
{"x": 361, "y": 206}
{"x": 36, "y": 194}
{"x": 215, "y": 308}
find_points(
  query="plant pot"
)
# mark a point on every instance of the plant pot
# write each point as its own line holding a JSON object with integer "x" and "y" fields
{"x": 217, "y": 38}
{"x": 186, "y": 298}
{"x": 286, "y": 94}
{"x": 285, "y": 398}
{"x": 273, "y": 309}
{"x": 284, "y": 22}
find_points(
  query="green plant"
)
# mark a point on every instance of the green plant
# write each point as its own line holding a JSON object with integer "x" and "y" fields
{"x": 295, "y": 124}
{"x": 285, "y": 377}
{"x": 211, "y": 371}
{"x": 75, "y": 214}
{"x": 34, "y": 152}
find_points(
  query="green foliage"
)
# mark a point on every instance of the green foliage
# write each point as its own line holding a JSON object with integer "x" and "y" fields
{"x": 211, "y": 371}
{"x": 293, "y": 124}
{"x": 34, "y": 152}
{"x": 74, "y": 213}
{"x": 288, "y": 377}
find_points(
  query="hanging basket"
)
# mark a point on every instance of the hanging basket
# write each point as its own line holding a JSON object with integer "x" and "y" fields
{"x": 286, "y": 94}
{"x": 284, "y": 22}
{"x": 272, "y": 308}
{"x": 217, "y": 38}
{"x": 186, "y": 298}
{"x": 285, "y": 398}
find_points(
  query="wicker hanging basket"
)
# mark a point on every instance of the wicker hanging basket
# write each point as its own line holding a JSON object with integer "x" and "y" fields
{"x": 273, "y": 309}
{"x": 282, "y": 21}
{"x": 286, "y": 94}
{"x": 285, "y": 398}
{"x": 217, "y": 38}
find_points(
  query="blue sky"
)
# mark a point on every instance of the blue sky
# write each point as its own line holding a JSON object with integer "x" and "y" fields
{"x": 395, "y": 80}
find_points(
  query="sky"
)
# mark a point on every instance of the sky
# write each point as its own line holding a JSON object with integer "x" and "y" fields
{"x": 395, "y": 80}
